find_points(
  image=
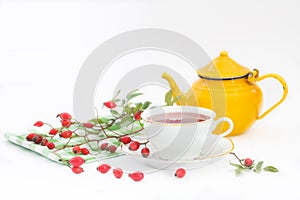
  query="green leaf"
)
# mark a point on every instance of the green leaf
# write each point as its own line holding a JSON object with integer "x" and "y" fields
{"x": 176, "y": 99}
{"x": 131, "y": 92}
{"x": 258, "y": 167}
{"x": 141, "y": 124}
{"x": 236, "y": 165}
{"x": 238, "y": 170}
{"x": 137, "y": 107}
{"x": 132, "y": 96}
{"x": 146, "y": 105}
{"x": 114, "y": 112}
{"x": 126, "y": 119}
{"x": 123, "y": 102}
{"x": 117, "y": 143}
{"x": 95, "y": 121}
{"x": 101, "y": 119}
{"x": 127, "y": 109}
{"x": 114, "y": 127}
{"x": 270, "y": 169}
{"x": 168, "y": 98}
{"x": 116, "y": 100}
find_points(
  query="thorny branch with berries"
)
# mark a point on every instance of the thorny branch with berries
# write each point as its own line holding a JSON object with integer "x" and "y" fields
{"x": 99, "y": 134}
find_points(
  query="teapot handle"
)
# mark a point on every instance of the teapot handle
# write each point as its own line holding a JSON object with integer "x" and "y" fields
{"x": 254, "y": 77}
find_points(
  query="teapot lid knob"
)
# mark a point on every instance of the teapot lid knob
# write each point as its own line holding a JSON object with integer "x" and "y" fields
{"x": 223, "y": 53}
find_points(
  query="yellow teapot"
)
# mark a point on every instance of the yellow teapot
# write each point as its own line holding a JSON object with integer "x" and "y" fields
{"x": 230, "y": 90}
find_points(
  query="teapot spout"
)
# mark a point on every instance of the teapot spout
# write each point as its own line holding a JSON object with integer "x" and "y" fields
{"x": 174, "y": 87}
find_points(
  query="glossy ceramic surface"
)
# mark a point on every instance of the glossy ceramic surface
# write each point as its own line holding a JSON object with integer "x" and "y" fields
{"x": 230, "y": 90}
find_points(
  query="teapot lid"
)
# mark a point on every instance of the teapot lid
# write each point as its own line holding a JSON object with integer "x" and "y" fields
{"x": 223, "y": 67}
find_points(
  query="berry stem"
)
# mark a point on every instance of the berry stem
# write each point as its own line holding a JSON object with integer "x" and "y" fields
{"x": 141, "y": 124}
{"x": 144, "y": 143}
{"x": 134, "y": 132}
{"x": 99, "y": 122}
{"x": 64, "y": 146}
{"x": 65, "y": 162}
{"x": 240, "y": 160}
{"x": 48, "y": 125}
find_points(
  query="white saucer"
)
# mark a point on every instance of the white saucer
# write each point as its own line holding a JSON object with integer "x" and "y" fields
{"x": 223, "y": 147}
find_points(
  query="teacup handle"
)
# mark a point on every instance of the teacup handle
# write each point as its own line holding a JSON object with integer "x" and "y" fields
{"x": 224, "y": 119}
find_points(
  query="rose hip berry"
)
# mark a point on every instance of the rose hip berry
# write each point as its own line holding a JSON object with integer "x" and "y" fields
{"x": 38, "y": 124}
{"x": 76, "y": 149}
{"x": 104, "y": 168}
{"x": 51, "y": 145}
{"x": 44, "y": 142}
{"x": 77, "y": 170}
{"x": 134, "y": 146}
{"x": 103, "y": 146}
{"x": 37, "y": 139}
{"x": 76, "y": 161}
{"x": 30, "y": 136}
{"x": 66, "y": 123}
{"x": 85, "y": 151}
{"x": 110, "y": 104}
{"x": 136, "y": 176}
{"x": 53, "y": 131}
{"x": 118, "y": 172}
{"x": 66, "y": 134}
{"x": 64, "y": 116}
{"x": 112, "y": 149}
{"x": 145, "y": 152}
{"x": 180, "y": 173}
{"x": 137, "y": 115}
{"x": 125, "y": 140}
{"x": 248, "y": 162}
{"x": 88, "y": 125}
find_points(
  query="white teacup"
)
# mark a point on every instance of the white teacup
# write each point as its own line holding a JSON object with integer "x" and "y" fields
{"x": 176, "y": 136}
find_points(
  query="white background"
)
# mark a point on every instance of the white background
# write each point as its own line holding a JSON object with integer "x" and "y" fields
{"x": 44, "y": 43}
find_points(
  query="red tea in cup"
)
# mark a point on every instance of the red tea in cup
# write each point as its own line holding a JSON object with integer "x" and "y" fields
{"x": 178, "y": 118}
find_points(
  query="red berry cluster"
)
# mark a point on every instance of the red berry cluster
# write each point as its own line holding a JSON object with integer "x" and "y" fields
{"x": 42, "y": 140}
{"x": 136, "y": 176}
{"x": 100, "y": 130}
{"x": 63, "y": 132}
{"x": 39, "y": 139}
{"x": 118, "y": 172}
{"x": 77, "y": 150}
{"x": 135, "y": 145}
{"x": 106, "y": 147}
{"x": 76, "y": 163}
{"x": 65, "y": 119}
{"x": 65, "y": 122}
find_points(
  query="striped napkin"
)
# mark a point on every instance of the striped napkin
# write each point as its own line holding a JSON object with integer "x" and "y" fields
{"x": 65, "y": 154}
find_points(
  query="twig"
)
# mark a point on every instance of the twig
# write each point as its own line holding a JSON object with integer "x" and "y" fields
{"x": 240, "y": 160}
